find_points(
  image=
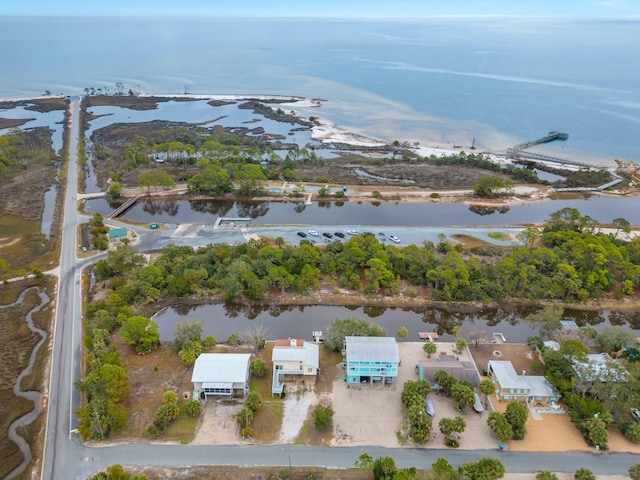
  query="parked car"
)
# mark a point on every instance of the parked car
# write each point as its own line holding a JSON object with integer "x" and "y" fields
{"x": 302, "y": 234}
{"x": 352, "y": 232}
{"x": 339, "y": 234}
{"x": 635, "y": 413}
{"x": 394, "y": 239}
{"x": 313, "y": 233}
{"x": 327, "y": 234}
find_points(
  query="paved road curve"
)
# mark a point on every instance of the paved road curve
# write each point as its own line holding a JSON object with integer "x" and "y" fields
{"x": 66, "y": 458}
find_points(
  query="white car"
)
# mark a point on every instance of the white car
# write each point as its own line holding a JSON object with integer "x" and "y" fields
{"x": 394, "y": 239}
{"x": 352, "y": 232}
{"x": 313, "y": 233}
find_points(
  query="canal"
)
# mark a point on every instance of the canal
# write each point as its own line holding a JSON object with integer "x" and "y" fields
{"x": 386, "y": 213}
{"x": 221, "y": 320}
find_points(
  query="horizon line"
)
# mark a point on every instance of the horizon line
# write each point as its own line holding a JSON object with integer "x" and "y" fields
{"x": 632, "y": 17}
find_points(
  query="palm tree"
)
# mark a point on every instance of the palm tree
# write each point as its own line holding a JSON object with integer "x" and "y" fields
{"x": 430, "y": 348}
{"x": 487, "y": 387}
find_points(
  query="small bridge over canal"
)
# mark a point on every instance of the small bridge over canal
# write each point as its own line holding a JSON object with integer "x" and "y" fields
{"x": 124, "y": 207}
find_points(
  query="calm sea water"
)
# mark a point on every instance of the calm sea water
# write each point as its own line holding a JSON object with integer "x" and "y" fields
{"x": 439, "y": 82}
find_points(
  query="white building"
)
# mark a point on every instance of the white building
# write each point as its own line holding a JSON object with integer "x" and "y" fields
{"x": 221, "y": 374}
{"x": 294, "y": 361}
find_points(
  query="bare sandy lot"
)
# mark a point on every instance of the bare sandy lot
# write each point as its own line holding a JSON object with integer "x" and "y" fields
{"x": 376, "y": 416}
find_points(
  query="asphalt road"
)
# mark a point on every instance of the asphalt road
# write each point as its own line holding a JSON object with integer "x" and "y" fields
{"x": 66, "y": 458}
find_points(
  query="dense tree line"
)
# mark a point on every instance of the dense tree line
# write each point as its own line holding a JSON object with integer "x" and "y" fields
{"x": 106, "y": 384}
{"x": 570, "y": 262}
{"x": 596, "y": 400}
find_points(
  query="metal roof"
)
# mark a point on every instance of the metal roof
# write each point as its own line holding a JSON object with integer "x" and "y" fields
{"x": 308, "y": 353}
{"x": 221, "y": 368}
{"x": 506, "y": 375}
{"x": 540, "y": 386}
{"x": 117, "y": 232}
{"x": 372, "y": 349}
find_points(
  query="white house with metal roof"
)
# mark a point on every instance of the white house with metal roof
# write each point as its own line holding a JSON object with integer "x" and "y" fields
{"x": 532, "y": 389}
{"x": 294, "y": 361}
{"x": 221, "y": 374}
{"x": 372, "y": 360}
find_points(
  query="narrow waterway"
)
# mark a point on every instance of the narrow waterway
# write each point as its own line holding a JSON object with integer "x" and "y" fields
{"x": 221, "y": 320}
{"x": 601, "y": 208}
{"x": 32, "y": 395}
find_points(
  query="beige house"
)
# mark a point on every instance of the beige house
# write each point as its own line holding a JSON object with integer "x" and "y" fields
{"x": 296, "y": 362}
{"x": 530, "y": 389}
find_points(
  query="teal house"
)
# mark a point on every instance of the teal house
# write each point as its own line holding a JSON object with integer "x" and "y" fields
{"x": 371, "y": 360}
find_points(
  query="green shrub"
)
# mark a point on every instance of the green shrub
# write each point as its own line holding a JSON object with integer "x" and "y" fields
{"x": 322, "y": 416}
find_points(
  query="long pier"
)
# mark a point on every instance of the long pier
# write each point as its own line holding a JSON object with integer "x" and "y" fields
{"x": 551, "y": 137}
{"x": 517, "y": 154}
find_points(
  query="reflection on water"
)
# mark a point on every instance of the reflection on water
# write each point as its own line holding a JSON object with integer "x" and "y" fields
{"x": 436, "y": 214}
{"x": 242, "y": 209}
{"x": 170, "y": 207}
{"x": 283, "y": 321}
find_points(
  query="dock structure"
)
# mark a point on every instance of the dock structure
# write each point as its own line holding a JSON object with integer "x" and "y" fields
{"x": 551, "y": 137}
{"x": 518, "y": 154}
{"x": 124, "y": 207}
{"x": 428, "y": 336}
{"x": 231, "y": 222}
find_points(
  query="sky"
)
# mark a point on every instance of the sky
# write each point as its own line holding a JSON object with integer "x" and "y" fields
{"x": 322, "y": 8}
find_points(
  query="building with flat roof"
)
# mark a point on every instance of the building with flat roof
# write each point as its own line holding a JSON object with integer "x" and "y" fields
{"x": 116, "y": 234}
{"x": 296, "y": 362}
{"x": 372, "y": 360}
{"x": 221, "y": 375}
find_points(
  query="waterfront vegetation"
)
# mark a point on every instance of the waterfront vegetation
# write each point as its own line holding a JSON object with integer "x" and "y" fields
{"x": 597, "y": 395}
{"x": 28, "y": 168}
{"x": 17, "y": 342}
{"x": 567, "y": 261}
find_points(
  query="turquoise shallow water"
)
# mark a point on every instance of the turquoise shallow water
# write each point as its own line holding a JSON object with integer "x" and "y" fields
{"x": 440, "y": 82}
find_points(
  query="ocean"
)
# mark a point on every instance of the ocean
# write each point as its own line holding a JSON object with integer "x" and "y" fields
{"x": 440, "y": 82}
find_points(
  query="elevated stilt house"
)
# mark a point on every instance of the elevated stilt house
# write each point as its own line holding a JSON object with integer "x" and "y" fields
{"x": 296, "y": 362}
{"x": 221, "y": 375}
{"x": 371, "y": 360}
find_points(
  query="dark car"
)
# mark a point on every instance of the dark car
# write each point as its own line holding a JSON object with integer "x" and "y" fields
{"x": 339, "y": 234}
{"x": 369, "y": 234}
{"x": 302, "y": 234}
{"x": 327, "y": 234}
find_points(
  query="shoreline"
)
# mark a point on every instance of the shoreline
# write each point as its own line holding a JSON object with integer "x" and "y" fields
{"x": 326, "y": 131}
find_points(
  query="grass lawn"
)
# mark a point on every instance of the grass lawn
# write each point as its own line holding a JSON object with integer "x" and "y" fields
{"x": 267, "y": 422}
{"x": 182, "y": 429}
